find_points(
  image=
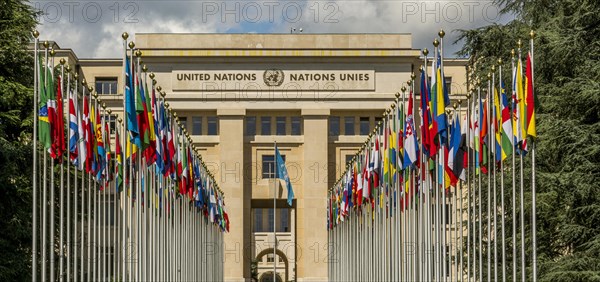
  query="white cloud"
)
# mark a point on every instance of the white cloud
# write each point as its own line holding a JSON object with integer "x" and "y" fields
{"x": 97, "y": 34}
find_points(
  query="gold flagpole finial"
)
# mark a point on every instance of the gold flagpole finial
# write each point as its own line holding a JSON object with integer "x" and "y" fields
{"x": 158, "y": 88}
{"x": 36, "y": 33}
{"x": 145, "y": 68}
{"x": 499, "y": 61}
{"x": 83, "y": 82}
{"x": 436, "y": 43}
{"x": 76, "y": 75}
{"x": 103, "y": 105}
{"x": 412, "y": 76}
{"x": 393, "y": 106}
{"x": 52, "y": 52}
{"x": 459, "y": 101}
{"x": 62, "y": 61}
{"x": 455, "y": 105}
{"x": 46, "y": 44}
{"x": 163, "y": 93}
{"x": 125, "y": 35}
{"x": 109, "y": 111}
{"x": 403, "y": 90}
{"x": 153, "y": 81}
{"x": 120, "y": 120}
{"x": 68, "y": 68}
{"x": 131, "y": 45}
{"x": 425, "y": 52}
{"x": 138, "y": 53}
{"x": 151, "y": 75}
{"x": 512, "y": 53}
{"x": 441, "y": 33}
{"x": 421, "y": 68}
{"x": 532, "y": 34}
{"x": 519, "y": 43}
{"x": 408, "y": 82}
{"x": 493, "y": 68}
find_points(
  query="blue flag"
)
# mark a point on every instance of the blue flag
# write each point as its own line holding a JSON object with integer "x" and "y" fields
{"x": 131, "y": 117}
{"x": 283, "y": 174}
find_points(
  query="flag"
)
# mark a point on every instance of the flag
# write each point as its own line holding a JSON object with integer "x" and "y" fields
{"x": 283, "y": 174}
{"x": 149, "y": 134}
{"x": 411, "y": 149}
{"x": 100, "y": 147}
{"x": 475, "y": 140}
{"x": 156, "y": 132}
{"x": 507, "y": 130}
{"x": 88, "y": 135}
{"x": 119, "y": 158}
{"x": 518, "y": 110}
{"x": 44, "y": 132}
{"x": 529, "y": 99}
{"x": 483, "y": 136}
{"x": 81, "y": 144}
{"x": 51, "y": 92}
{"x": 454, "y": 158}
{"x": 438, "y": 102}
{"x": 130, "y": 116}
{"x": 58, "y": 123}
{"x": 429, "y": 147}
{"x": 497, "y": 121}
{"x": 73, "y": 128}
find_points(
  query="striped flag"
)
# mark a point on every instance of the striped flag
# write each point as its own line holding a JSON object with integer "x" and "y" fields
{"x": 529, "y": 99}
{"x": 73, "y": 128}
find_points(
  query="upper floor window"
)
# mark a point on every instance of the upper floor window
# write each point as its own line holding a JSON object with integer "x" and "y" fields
{"x": 250, "y": 126}
{"x": 212, "y": 125}
{"x": 197, "y": 125}
{"x": 296, "y": 125}
{"x": 334, "y": 126}
{"x": 106, "y": 85}
{"x": 280, "y": 127}
{"x": 365, "y": 126}
{"x": 265, "y": 125}
{"x": 349, "y": 126}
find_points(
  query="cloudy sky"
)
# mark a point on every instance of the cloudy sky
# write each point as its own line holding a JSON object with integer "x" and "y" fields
{"x": 93, "y": 28}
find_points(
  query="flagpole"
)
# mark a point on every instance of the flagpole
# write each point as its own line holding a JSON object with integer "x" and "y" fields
{"x": 468, "y": 184}
{"x": 479, "y": 187}
{"x": 460, "y": 268}
{"x": 52, "y": 188}
{"x": 514, "y": 200}
{"x": 61, "y": 248}
{"x": 502, "y": 180}
{"x": 83, "y": 174}
{"x": 34, "y": 224}
{"x": 68, "y": 246}
{"x": 495, "y": 129}
{"x": 45, "y": 179}
{"x": 522, "y": 212}
{"x": 533, "y": 195}
{"x": 76, "y": 168}
{"x": 489, "y": 191}
{"x": 96, "y": 250}
{"x": 275, "y": 212}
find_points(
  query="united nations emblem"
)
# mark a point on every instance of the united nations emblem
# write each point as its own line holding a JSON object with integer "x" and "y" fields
{"x": 273, "y": 77}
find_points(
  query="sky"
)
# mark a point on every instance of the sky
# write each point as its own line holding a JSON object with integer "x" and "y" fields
{"x": 93, "y": 28}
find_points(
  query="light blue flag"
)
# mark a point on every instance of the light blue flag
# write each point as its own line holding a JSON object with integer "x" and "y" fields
{"x": 283, "y": 174}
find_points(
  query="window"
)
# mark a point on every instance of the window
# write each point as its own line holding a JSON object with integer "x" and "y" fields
{"x": 365, "y": 126}
{"x": 197, "y": 125}
{"x": 270, "y": 258}
{"x": 183, "y": 122}
{"x": 265, "y": 125}
{"x": 112, "y": 123}
{"x": 296, "y": 125}
{"x": 448, "y": 84}
{"x": 106, "y": 85}
{"x": 349, "y": 125}
{"x": 258, "y": 220}
{"x": 348, "y": 159}
{"x": 212, "y": 125}
{"x": 263, "y": 219}
{"x": 280, "y": 127}
{"x": 334, "y": 126}
{"x": 448, "y": 214}
{"x": 250, "y": 126}
{"x": 268, "y": 166}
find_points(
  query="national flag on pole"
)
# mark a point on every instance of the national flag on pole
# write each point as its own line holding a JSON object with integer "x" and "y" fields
{"x": 157, "y": 132}
{"x": 58, "y": 123}
{"x": 496, "y": 122}
{"x": 283, "y": 174}
{"x": 454, "y": 158}
{"x": 51, "y": 91}
{"x": 429, "y": 147}
{"x": 73, "y": 128}
{"x": 411, "y": 149}
{"x": 119, "y": 158}
{"x": 518, "y": 110}
{"x": 100, "y": 147}
{"x": 88, "y": 135}
{"x": 45, "y": 136}
{"x": 438, "y": 101}
{"x": 529, "y": 99}
{"x": 483, "y": 136}
{"x": 507, "y": 130}
{"x": 130, "y": 116}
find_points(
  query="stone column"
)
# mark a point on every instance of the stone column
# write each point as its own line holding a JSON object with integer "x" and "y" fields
{"x": 311, "y": 232}
{"x": 231, "y": 180}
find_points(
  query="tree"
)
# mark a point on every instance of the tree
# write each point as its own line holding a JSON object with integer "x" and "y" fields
{"x": 567, "y": 86}
{"x": 16, "y": 105}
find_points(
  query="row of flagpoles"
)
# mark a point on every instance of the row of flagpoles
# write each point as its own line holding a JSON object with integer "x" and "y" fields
{"x": 147, "y": 211}
{"x": 409, "y": 205}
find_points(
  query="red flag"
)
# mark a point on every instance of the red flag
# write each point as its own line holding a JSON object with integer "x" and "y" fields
{"x": 529, "y": 99}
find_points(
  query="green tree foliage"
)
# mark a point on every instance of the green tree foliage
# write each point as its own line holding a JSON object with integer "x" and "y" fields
{"x": 17, "y": 20}
{"x": 567, "y": 86}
